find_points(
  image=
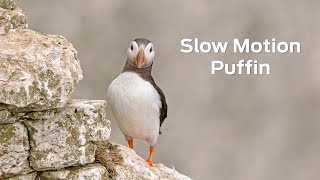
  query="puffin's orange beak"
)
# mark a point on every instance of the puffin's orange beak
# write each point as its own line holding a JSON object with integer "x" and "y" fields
{"x": 140, "y": 58}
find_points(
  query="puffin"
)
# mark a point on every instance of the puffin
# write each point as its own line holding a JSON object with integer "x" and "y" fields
{"x": 138, "y": 105}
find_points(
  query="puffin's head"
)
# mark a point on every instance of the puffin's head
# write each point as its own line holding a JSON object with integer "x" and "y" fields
{"x": 140, "y": 53}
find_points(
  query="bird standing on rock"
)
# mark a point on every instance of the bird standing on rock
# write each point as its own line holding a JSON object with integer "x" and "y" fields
{"x": 137, "y": 103}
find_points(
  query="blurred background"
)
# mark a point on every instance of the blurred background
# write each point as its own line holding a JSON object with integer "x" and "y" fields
{"x": 219, "y": 127}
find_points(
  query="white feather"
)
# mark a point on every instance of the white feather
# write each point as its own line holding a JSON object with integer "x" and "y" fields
{"x": 135, "y": 105}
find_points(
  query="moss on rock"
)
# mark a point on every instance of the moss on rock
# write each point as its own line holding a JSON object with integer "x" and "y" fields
{"x": 66, "y": 138}
{"x": 44, "y": 76}
{"x": 7, "y": 117}
{"x": 14, "y": 150}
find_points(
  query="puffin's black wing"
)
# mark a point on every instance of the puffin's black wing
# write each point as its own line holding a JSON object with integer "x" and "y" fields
{"x": 164, "y": 106}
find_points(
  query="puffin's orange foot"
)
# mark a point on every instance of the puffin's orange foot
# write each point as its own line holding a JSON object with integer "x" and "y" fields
{"x": 130, "y": 143}
{"x": 150, "y": 163}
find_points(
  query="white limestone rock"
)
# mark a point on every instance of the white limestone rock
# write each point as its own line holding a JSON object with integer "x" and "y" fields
{"x": 14, "y": 150}
{"x": 67, "y": 138}
{"x": 37, "y": 71}
{"x": 123, "y": 163}
{"x": 88, "y": 172}
{"x": 30, "y": 176}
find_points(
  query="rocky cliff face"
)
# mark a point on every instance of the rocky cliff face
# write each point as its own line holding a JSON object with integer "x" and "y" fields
{"x": 43, "y": 133}
{"x": 38, "y": 72}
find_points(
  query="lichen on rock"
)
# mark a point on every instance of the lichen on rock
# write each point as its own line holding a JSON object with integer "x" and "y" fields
{"x": 7, "y": 116}
{"x": 92, "y": 171}
{"x": 8, "y": 4}
{"x": 11, "y": 17}
{"x": 14, "y": 150}
{"x": 37, "y": 71}
{"x": 30, "y": 176}
{"x": 66, "y": 139}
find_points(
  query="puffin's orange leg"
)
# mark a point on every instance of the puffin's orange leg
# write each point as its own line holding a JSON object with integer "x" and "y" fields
{"x": 149, "y": 161}
{"x": 130, "y": 143}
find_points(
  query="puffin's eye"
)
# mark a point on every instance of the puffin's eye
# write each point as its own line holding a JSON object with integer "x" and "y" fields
{"x": 150, "y": 49}
{"x": 131, "y": 47}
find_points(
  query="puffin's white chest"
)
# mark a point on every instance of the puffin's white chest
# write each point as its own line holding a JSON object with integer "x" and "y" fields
{"x": 135, "y": 105}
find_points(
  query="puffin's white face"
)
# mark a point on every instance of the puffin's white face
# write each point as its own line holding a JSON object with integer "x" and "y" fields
{"x": 140, "y": 56}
